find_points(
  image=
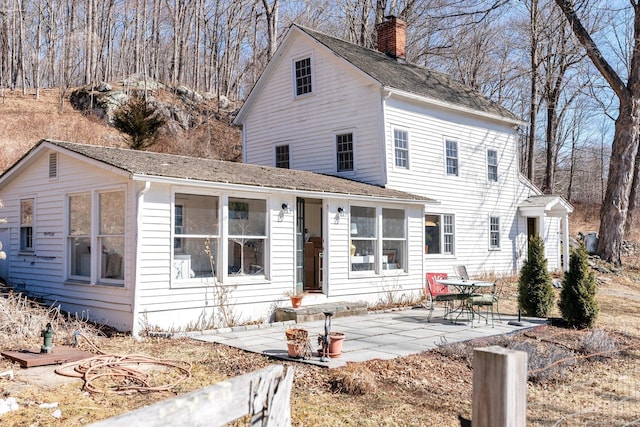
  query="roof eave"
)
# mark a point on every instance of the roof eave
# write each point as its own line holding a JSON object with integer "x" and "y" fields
{"x": 267, "y": 189}
{"x": 448, "y": 105}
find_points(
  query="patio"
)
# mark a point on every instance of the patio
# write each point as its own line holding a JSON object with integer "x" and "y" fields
{"x": 377, "y": 335}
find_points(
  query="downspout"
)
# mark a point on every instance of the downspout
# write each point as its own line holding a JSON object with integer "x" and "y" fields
{"x": 383, "y": 133}
{"x": 135, "y": 327}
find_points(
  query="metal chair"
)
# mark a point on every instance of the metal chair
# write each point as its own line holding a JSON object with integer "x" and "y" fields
{"x": 488, "y": 301}
{"x": 461, "y": 272}
{"x": 439, "y": 293}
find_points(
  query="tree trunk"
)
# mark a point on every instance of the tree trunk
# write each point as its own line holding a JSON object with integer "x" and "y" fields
{"x": 613, "y": 213}
{"x": 634, "y": 203}
{"x": 534, "y": 92}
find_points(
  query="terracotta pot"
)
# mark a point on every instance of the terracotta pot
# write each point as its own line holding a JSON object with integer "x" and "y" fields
{"x": 296, "y": 348}
{"x": 336, "y": 339}
{"x": 296, "y": 301}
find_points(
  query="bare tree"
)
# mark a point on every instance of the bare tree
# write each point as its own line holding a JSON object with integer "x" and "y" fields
{"x": 625, "y": 142}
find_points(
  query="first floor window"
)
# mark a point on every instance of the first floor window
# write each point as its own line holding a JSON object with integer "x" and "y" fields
{"x": 438, "y": 234}
{"x": 195, "y": 237}
{"x": 494, "y": 232}
{"x": 282, "y": 156}
{"x": 26, "y": 225}
{"x": 247, "y": 236}
{"x": 394, "y": 239}
{"x": 364, "y": 238}
{"x": 344, "y": 152}
{"x": 96, "y": 236}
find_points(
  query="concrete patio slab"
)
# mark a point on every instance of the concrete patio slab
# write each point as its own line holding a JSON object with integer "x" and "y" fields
{"x": 378, "y": 335}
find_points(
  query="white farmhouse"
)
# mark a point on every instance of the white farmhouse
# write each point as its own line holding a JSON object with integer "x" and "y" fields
{"x": 362, "y": 174}
{"x": 332, "y": 107}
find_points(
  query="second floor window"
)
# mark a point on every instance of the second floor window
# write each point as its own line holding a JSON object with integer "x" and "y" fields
{"x": 452, "y": 157}
{"x": 303, "y": 76}
{"x": 282, "y": 156}
{"x": 401, "y": 145}
{"x": 492, "y": 165}
{"x": 344, "y": 151}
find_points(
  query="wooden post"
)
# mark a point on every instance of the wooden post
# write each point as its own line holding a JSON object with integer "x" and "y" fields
{"x": 499, "y": 387}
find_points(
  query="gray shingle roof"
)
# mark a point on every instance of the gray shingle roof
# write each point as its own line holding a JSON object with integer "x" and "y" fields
{"x": 192, "y": 168}
{"x": 410, "y": 78}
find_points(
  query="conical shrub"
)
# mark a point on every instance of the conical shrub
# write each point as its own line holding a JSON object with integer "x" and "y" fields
{"x": 578, "y": 303}
{"x": 535, "y": 289}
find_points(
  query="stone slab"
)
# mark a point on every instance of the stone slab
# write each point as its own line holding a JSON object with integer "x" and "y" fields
{"x": 311, "y": 313}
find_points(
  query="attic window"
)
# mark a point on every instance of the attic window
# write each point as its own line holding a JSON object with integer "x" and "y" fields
{"x": 303, "y": 76}
{"x": 53, "y": 165}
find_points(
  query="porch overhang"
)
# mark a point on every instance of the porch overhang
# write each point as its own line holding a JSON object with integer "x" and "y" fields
{"x": 550, "y": 206}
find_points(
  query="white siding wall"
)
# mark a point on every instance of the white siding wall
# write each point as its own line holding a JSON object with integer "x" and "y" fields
{"x": 342, "y": 101}
{"x": 169, "y": 304}
{"x": 42, "y": 274}
{"x": 470, "y": 196}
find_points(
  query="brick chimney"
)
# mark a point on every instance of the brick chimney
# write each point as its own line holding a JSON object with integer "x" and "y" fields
{"x": 392, "y": 37}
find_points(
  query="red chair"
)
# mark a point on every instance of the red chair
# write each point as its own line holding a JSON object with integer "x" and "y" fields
{"x": 439, "y": 293}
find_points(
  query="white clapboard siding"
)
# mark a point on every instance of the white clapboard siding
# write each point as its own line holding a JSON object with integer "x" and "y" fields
{"x": 42, "y": 273}
{"x": 470, "y": 197}
{"x": 342, "y": 102}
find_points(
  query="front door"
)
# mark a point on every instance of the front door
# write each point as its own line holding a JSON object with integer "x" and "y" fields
{"x": 309, "y": 247}
{"x": 299, "y": 243}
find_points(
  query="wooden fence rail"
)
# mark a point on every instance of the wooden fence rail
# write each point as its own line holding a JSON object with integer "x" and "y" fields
{"x": 265, "y": 395}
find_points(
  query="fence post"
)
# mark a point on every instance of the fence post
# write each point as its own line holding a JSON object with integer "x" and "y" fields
{"x": 499, "y": 387}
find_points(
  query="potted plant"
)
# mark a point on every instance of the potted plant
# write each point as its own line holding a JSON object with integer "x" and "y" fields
{"x": 296, "y": 297}
{"x": 298, "y": 343}
{"x": 336, "y": 339}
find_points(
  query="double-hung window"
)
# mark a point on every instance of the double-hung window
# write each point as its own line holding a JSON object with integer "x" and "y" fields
{"x": 494, "y": 232}
{"x": 26, "y": 225}
{"x": 439, "y": 234}
{"x": 303, "y": 76}
{"x": 364, "y": 237}
{"x": 401, "y": 147}
{"x": 451, "y": 148}
{"x": 394, "y": 239}
{"x": 96, "y": 237}
{"x": 492, "y": 165}
{"x": 344, "y": 152}
{"x": 375, "y": 229}
{"x": 247, "y": 241}
{"x": 282, "y": 156}
{"x": 195, "y": 237}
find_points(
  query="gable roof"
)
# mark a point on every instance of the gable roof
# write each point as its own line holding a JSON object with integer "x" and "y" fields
{"x": 410, "y": 78}
{"x": 551, "y": 205}
{"x": 145, "y": 164}
{"x": 399, "y": 75}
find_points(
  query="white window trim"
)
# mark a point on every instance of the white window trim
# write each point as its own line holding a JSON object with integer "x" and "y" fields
{"x": 496, "y": 166}
{"x": 446, "y": 171}
{"x": 275, "y": 156}
{"x": 335, "y": 152}
{"x": 443, "y": 254}
{"x": 378, "y": 269}
{"x": 224, "y": 239}
{"x": 408, "y": 149}
{"x": 196, "y": 281}
{"x": 294, "y": 90}
{"x": 499, "y": 247}
{"x": 94, "y": 279}
{"x": 34, "y": 242}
